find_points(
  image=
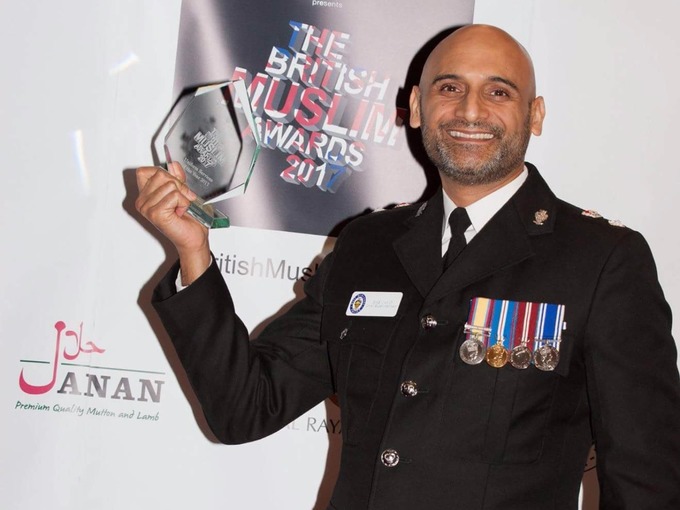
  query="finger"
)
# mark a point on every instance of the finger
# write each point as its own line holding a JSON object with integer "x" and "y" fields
{"x": 151, "y": 178}
{"x": 186, "y": 191}
{"x": 167, "y": 212}
{"x": 166, "y": 209}
{"x": 166, "y": 195}
{"x": 144, "y": 174}
{"x": 177, "y": 171}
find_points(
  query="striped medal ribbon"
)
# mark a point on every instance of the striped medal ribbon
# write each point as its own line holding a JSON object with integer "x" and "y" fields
{"x": 525, "y": 329}
{"x": 550, "y": 324}
{"x": 477, "y": 331}
{"x": 501, "y": 329}
{"x": 519, "y": 332}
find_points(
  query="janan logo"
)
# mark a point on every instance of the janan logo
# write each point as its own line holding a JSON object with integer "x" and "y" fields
{"x": 96, "y": 380}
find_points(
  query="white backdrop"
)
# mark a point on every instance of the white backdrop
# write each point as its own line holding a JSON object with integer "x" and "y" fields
{"x": 84, "y": 86}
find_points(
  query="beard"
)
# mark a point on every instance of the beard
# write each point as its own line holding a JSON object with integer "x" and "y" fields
{"x": 473, "y": 164}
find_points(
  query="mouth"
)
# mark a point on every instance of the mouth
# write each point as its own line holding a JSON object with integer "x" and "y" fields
{"x": 470, "y": 136}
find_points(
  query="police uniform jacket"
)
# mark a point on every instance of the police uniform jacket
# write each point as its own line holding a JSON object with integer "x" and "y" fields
{"x": 457, "y": 436}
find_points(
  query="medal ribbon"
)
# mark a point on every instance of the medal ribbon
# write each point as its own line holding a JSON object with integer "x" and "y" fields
{"x": 498, "y": 312}
{"x": 493, "y": 318}
{"x": 550, "y": 322}
{"x": 530, "y": 325}
{"x": 479, "y": 318}
{"x": 531, "y": 322}
{"x": 507, "y": 321}
{"x": 519, "y": 325}
{"x": 512, "y": 323}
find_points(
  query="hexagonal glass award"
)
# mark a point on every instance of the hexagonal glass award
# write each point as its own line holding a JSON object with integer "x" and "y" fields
{"x": 216, "y": 142}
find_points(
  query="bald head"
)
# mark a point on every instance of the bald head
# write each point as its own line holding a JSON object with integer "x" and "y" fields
{"x": 484, "y": 43}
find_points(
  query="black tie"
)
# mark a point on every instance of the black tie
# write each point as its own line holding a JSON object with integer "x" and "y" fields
{"x": 459, "y": 222}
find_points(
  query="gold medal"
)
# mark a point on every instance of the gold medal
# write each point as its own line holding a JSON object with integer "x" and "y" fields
{"x": 546, "y": 358}
{"x": 520, "y": 357}
{"x": 497, "y": 356}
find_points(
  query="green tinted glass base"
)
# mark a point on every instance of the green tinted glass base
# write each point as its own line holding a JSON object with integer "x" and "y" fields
{"x": 205, "y": 218}
{"x": 220, "y": 222}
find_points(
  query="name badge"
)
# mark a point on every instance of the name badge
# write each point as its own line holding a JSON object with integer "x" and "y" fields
{"x": 374, "y": 304}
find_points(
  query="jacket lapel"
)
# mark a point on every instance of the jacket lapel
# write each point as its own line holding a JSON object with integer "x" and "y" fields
{"x": 503, "y": 242}
{"x": 419, "y": 248}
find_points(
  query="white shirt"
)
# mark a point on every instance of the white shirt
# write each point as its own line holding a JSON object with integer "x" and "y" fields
{"x": 481, "y": 211}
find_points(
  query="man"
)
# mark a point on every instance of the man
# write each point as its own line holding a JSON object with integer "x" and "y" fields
{"x": 485, "y": 376}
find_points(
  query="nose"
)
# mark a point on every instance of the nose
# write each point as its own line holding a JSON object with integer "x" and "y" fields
{"x": 471, "y": 108}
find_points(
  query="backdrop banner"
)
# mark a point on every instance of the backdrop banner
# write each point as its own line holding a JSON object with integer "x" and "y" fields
{"x": 329, "y": 82}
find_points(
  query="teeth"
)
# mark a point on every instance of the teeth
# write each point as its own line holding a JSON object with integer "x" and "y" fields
{"x": 472, "y": 136}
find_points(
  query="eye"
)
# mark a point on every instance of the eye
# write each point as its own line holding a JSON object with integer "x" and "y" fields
{"x": 450, "y": 87}
{"x": 500, "y": 93}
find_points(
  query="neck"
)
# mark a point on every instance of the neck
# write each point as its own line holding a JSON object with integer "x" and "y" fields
{"x": 463, "y": 195}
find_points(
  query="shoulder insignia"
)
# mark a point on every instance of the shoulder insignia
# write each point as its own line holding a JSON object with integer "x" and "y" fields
{"x": 391, "y": 207}
{"x": 591, "y": 214}
{"x": 594, "y": 214}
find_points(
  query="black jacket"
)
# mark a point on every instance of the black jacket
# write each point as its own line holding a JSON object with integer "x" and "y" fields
{"x": 474, "y": 437}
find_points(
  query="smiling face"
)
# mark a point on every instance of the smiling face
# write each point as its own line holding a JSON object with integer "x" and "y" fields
{"x": 476, "y": 106}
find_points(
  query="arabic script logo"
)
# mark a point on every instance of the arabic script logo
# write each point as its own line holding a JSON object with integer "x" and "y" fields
{"x": 78, "y": 347}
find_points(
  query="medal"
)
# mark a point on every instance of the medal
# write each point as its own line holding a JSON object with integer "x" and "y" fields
{"x": 472, "y": 351}
{"x": 547, "y": 344}
{"x": 546, "y": 358}
{"x": 497, "y": 355}
{"x": 502, "y": 325}
{"x": 524, "y": 333}
{"x": 520, "y": 357}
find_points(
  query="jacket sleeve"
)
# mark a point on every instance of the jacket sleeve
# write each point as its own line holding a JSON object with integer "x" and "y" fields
{"x": 633, "y": 385}
{"x": 247, "y": 390}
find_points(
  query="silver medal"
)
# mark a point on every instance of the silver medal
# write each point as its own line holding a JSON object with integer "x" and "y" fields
{"x": 473, "y": 350}
{"x": 520, "y": 357}
{"x": 546, "y": 358}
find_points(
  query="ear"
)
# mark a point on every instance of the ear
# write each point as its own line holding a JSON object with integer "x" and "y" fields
{"x": 414, "y": 103}
{"x": 537, "y": 115}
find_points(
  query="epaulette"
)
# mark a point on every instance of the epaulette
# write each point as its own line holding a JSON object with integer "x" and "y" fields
{"x": 390, "y": 208}
{"x": 590, "y": 213}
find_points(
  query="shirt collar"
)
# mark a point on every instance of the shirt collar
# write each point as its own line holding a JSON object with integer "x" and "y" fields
{"x": 481, "y": 211}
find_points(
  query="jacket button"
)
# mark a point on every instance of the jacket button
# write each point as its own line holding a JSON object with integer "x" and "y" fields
{"x": 389, "y": 458}
{"x": 409, "y": 389}
{"x": 428, "y": 322}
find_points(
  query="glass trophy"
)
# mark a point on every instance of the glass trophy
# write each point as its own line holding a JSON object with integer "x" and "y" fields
{"x": 216, "y": 142}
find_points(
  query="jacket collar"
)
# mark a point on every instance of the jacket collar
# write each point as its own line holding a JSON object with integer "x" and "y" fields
{"x": 503, "y": 242}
